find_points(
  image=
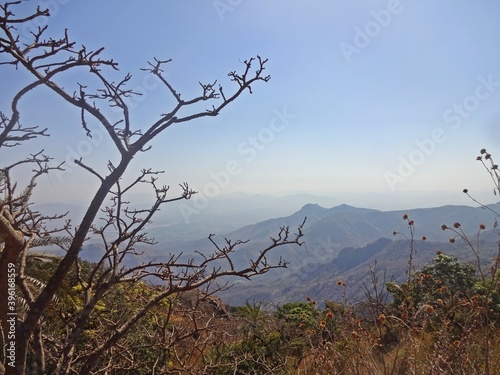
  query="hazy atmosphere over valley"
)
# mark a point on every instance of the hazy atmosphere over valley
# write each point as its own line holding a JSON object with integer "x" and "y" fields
{"x": 377, "y": 104}
{"x": 249, "y": 187}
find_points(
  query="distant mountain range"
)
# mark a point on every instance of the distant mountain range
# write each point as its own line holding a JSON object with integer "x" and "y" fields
{"x": 341, "y": 243}
{"x": 344, "y": 243}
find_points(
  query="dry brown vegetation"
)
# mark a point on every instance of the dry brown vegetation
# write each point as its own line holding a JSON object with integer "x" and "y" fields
{"x": 78, "y": 317}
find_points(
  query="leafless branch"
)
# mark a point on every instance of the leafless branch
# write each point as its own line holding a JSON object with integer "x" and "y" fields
{"x": 122, "y": 226}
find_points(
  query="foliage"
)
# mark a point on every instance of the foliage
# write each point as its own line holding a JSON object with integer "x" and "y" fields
{"x": 162, "y": 316}
{"x": 487, "y": 292}
{"x": 80, "y": 317}
{"x": 445, "y": 280}
{"x": 444, "y": 321}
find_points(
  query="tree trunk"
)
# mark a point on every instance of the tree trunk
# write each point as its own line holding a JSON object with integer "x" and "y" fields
{"x": 54, "y": 283}
{"x": 8, "y": 313}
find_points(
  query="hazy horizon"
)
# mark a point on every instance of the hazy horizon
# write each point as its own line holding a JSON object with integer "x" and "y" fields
{"x": 250, "y": 208}
{"x": 380, "y": 104}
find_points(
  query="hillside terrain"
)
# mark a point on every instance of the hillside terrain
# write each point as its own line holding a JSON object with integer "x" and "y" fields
{"x": 340, "y": 243}
{"x": 368, "y": 292}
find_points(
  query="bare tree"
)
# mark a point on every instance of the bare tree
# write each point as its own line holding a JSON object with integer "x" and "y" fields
{"x": 121, "y": 227}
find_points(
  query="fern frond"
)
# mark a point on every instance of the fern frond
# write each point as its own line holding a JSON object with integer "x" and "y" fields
{"x": 47, "y": 241}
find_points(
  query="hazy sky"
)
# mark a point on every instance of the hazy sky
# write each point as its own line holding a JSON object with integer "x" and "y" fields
{"x": 387, "y": 97}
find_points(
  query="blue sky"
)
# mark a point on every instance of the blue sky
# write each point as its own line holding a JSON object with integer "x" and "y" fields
{"x": 393, "y": 98}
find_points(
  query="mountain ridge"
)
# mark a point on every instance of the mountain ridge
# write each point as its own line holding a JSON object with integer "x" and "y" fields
{"x": 341, "y": 238}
